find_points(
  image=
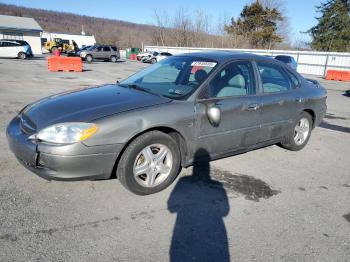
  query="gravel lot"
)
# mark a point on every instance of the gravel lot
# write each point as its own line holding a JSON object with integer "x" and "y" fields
{"x": 266, "y": 205}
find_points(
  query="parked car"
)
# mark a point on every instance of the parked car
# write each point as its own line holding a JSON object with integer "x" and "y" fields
{"x": 154, "y": 57}
{"x": 289, "y": 60}
{"x": 15, "y": 49}
{"x": 141, "y": 55}
{"x": 101, "y": 52}
{"x": 150, "y": 125}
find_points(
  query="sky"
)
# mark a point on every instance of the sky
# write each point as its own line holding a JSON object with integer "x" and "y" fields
{"x": 301, "y": 13}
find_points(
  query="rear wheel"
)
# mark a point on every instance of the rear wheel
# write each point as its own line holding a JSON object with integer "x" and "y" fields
{"x": 153, "y": 60}
{"x": 89, "y": 58}
{"x": 300, "y": 133}
{"x": 149, "y": 164}
{"x": 113, "y": 59}
{"x": 22, "y": 55}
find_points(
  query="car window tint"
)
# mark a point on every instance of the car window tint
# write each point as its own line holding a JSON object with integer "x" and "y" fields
{"x": 114, "y": 48}
{"x": 106, "y": 49}
{"x": 273, "y": 78}
{"x": 236, "y": 79}
{"x": 98, "y": 49}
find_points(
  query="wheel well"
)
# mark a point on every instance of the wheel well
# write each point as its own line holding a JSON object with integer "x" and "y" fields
{"x": 179, "y": 139}
{"x": 313, "y": 116}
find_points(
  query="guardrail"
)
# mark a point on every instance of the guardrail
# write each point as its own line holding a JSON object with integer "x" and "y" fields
{"x": 309, "y": 62}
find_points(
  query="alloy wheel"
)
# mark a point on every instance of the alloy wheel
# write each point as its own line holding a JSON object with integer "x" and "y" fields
{"x": 153, "y": 165}
{"x": 301, "y": 131}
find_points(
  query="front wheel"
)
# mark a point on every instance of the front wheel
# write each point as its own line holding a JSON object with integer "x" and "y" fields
{"x": 300, "y": 133}
{"x": 88, "y": 58}
{"x": 149, "y": 164}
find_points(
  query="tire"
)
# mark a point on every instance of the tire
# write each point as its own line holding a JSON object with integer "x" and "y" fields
{"x": 89, "y": 58}
{"x": 142, "y": 171}
{"x": 153, "y": 61}
{"x": 22, "y": 55}
{"x": 300, "y": 133}
{"x": 113, "y": 59}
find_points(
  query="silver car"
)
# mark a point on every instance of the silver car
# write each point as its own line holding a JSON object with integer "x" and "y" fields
{"x": 101, "y": 52}
{"x": 147, "y": 127}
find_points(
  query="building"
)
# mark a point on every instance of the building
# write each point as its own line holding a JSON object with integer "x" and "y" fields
{"x": 21, "y": 28}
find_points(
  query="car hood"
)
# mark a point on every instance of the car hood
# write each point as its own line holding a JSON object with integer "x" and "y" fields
{"x": 88, "y": 104}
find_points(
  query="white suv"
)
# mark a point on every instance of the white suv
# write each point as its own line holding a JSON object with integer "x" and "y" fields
{"x": 15, "y": 49}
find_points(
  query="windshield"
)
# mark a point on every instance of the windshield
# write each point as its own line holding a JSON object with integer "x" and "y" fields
{"x": 176, "y": 77}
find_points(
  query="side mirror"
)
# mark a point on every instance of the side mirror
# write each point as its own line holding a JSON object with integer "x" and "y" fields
{"x": 214, "y": 115}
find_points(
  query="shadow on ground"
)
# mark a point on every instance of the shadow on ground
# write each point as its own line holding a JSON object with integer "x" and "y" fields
{"x": 347, "y": 217}
{"x": 333, "y": 127}
{"x": 201, "y": 203}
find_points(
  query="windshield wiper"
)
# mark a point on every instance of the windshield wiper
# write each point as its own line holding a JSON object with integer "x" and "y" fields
{"x": 139, "y": 88}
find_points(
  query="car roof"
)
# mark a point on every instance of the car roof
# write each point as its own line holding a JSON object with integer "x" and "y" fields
{"x": 224, "y": 56}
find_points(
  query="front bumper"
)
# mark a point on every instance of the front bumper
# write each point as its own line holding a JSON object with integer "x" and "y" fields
{"x": 62, "y": 162}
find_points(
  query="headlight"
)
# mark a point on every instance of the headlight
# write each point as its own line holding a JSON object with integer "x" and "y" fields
{"x": 66, "y": 133}
{"x": 83, "y": 53}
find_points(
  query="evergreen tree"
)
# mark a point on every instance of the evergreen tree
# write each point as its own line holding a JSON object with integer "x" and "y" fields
{"x": 332, "y": 33}
{"x": 257, "y": 24}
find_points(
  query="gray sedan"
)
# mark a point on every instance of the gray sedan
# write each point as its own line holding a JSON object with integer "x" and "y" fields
{"x": 147, "y": 127}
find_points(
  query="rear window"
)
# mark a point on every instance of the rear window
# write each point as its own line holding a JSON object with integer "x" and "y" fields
{"x": 114, "y": 48}
{"x": 294, "y": 80}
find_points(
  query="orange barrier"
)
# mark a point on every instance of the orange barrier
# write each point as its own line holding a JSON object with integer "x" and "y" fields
{"x": 338, "y": 75}
{"x": 65, "y": 64}
{"x": 133, "y": 57}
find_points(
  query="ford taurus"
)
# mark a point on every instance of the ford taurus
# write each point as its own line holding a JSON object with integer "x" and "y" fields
{"x": 145, "y": 128}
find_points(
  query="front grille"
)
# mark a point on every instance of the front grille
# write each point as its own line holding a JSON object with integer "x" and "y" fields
{"x": 27, "y": 126}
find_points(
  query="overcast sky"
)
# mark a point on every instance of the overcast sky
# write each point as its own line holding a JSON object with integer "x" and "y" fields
{"x": 301, "y": 13}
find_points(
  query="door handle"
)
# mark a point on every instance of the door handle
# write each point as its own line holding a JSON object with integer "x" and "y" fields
{"x": 253, "y": 107}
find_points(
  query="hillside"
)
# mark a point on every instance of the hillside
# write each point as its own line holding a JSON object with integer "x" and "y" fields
{"x": 105, "y": 30}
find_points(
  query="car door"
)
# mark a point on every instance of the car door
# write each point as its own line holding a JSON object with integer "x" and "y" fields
{"x": 231, "y": 93}
{"x": 98, "y": 52}
{"x": 106, "y": 52}
{"x": 280, "y": 100}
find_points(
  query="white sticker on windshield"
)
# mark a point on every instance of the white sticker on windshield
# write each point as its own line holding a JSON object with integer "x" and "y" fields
{"x": 201, "y": 63}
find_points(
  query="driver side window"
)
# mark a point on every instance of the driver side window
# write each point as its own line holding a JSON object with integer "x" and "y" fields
{"x": 235, "y": 79}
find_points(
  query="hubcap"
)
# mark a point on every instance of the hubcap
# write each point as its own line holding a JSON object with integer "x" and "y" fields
{"x": 301, "y": 131}
{"x": 152, "y": 165}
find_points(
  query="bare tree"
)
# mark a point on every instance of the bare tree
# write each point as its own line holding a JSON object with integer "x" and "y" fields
{"x": 162, "y": 27}
{"x": 183, "y": 27}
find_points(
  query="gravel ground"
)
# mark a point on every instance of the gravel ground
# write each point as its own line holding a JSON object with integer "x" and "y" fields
{"x": 265, "y": 205}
